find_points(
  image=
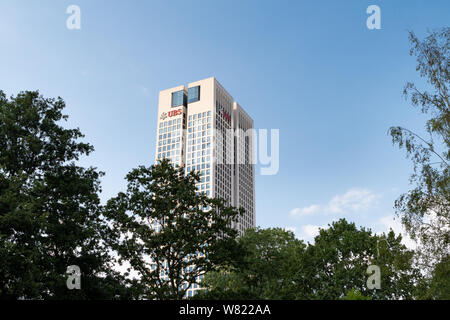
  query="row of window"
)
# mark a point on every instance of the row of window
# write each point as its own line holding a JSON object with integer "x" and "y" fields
{"x": 199, "y": 115}
{"x": 163, "y": 142}
{"x": 199, "y": 154}
{"x": 170, "y": 123}
{"x": 198, "y": 141}
{"x": 199, "y": 122}
{"x": 179, "y": 98}
{"x": 200, "y": 146}
{"x": 169, "y": 129}
{"x": 169, "y": 147}
{"x": 171, "y": 156}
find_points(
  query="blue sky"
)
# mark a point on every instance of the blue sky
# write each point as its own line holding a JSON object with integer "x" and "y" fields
{"x": 311, "y": 69}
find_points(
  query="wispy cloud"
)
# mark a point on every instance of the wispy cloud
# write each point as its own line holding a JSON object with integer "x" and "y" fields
{"x": 310, "y": 231}
{"x": 292, "y": 229}
{"x": 355, "y": 199}
{"x": 307, "y": 232}
{"x": 389, "y": 222}
{"x": 305, "y": 211}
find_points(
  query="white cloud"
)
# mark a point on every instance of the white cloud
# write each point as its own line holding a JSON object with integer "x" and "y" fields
{"x": 389, "y": 222}
{"x": 307, "y": 232}
{"x": 355, "y": 199}
{"x": 292, "y": 229}
{"x": 305, "y": 211}
{"x": 310, "y": 230}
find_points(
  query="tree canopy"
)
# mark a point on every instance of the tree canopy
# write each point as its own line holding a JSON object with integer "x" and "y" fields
{"x": 276, "y": 265}
{"x": 50, "y": 215}
{"x": 425, "y": 209}
{"x": 168, "y": 232}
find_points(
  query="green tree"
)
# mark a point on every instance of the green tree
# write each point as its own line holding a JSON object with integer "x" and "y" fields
{"x": 268, "y": 268}
{"x": 425, "y": 210}
{"x": 169, "y": 233}
{"x": 440, "y": 281}
{"x": 341, "y": 255}
{"x": 355, "y": 295}
{"x": 275, "y": 265}
{"x": 50, "y": 216}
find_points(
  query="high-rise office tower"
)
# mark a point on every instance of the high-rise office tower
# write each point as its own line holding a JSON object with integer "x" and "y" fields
{"x": 201, "y": 127}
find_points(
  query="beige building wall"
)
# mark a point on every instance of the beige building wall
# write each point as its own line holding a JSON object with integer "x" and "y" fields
{"x": 227, "y": 168}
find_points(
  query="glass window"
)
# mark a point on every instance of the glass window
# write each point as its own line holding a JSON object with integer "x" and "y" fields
{"x": 178, "y": 98}
{"x": 194, "y": 94}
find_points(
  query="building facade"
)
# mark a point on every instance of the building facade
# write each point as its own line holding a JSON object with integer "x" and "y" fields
{"x": 201, "y": 127}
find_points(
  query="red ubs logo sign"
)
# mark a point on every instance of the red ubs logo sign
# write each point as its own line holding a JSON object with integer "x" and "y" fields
{"x": 175, "y": 112}
{"x": 226, "y": 115}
